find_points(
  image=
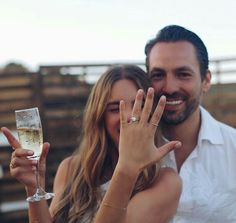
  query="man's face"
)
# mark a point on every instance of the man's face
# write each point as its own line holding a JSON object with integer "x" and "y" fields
{"x": 175, "y": 72}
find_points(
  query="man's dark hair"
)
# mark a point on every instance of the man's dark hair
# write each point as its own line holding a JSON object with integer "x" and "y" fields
{"x": 175, "y": 33}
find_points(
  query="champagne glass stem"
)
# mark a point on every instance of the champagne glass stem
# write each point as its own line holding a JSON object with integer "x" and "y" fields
{"x": 40, "y": 192}
{"x": 37, "y": 175}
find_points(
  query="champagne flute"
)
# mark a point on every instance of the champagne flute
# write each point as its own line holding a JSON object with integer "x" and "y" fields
{"x": 30, "y": 135}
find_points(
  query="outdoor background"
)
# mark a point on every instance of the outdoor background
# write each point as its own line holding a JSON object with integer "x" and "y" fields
{"x": 53, "y": 51}
{"x": 73, "y": 31}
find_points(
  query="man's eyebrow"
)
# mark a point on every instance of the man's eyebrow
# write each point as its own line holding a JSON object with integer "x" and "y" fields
{"x": 156, "y": 69}
{"x": 184, "y": 68}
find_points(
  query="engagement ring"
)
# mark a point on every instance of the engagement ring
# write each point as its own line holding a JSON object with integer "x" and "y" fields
{"x": 134, "y": 119}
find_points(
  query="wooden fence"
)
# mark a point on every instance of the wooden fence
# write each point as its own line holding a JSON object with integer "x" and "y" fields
{"x": 61, "y": 100}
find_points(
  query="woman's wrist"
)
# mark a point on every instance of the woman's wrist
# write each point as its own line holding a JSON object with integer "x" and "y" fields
{"x": 120, "y": 188}
{"x": 30, "y": 190}
{"x": 127, "y": 171}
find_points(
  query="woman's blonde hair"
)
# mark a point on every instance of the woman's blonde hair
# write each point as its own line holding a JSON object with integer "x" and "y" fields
{"x": 96, "y": 157}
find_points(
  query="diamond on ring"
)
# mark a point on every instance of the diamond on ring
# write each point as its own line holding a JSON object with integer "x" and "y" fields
{"x": 134, "y": 119}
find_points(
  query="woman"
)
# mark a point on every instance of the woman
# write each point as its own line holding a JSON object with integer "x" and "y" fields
{"x": 137, "y": 191}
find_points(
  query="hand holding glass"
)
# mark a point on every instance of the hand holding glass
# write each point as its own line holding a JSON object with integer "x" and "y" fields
{"x": 30, "y": 135}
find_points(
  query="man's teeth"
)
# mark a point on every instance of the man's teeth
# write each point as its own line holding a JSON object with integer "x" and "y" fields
{"x": 173, "y": 102}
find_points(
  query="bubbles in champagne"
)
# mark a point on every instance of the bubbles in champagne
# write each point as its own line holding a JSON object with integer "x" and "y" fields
{"x": 32, "y": 139}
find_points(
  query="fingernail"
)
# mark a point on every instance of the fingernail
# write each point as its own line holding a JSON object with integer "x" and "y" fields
{"x": 178, "y": 145}
{"x": 163, "y": 97}
{"x": 30, "y": 152}
{"x": 151, "y": 90}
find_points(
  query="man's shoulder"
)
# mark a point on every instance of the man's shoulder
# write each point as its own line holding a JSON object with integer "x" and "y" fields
{"x": 228, "y": 135}
{"x": 227, "y": 129}
{"x": 209, "y": 118}
{"x": 216, "y": 130}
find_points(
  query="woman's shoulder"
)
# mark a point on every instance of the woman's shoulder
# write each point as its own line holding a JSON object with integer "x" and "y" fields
{"x": 63, "y": 171}
{"x": 170, "y": 178}
{"x": 65, "y": 163}
{"x": 60, "y": 181}
{"x": 65, "y": 167}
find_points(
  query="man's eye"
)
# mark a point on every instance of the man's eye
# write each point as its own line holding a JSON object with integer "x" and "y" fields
{"x": 156, "y": 76}
{"x": 184, "y": 75}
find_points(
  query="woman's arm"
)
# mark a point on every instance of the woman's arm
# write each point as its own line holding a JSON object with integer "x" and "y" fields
{"x": 157, "y": 203}
{"x": 23, "y": 170}
{"x": 59, "y": 183}
{"x": 114, "y": 205}
{"x": 136, "y": 151}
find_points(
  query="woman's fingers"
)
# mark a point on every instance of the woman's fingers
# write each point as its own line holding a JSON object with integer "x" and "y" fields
{"x": 163, "y": 150}
{"x": 22, "y": 153}
{"x": 123, "y": 116}
{"x": 11, "y": 138}
{"x": 147, "y": 106}
{"x": 143, "y": 114}
{"x": 137, "y": 109}
{"x": 19, "y": 162}
{"x": 25, "y": 173}
{"x": 147, "y": 109}
{"x": 155, "y": 119}
{"x": 44, "y": 153}
{"x": 22, "y": 168}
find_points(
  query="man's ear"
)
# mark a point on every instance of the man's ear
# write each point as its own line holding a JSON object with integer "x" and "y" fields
{"x": 206, "y": 83}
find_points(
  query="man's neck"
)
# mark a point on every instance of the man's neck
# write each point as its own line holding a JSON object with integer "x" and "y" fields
{"x": 187, "y": 133}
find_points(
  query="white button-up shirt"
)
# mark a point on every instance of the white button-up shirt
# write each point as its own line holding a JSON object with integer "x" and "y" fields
{"x": 208, "y": 175}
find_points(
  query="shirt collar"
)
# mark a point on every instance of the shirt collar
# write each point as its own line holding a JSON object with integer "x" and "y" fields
{"x": 210, "y": 129}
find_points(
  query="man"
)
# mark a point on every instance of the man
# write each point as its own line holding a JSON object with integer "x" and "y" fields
{"x": 177, "y": 64}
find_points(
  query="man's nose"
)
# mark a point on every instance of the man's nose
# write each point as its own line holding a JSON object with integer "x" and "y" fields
{"x": 170, "y": 85}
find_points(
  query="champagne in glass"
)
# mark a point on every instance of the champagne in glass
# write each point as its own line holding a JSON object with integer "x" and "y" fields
{"x": 30, "y": 135}
{"x": 32, "y": 139}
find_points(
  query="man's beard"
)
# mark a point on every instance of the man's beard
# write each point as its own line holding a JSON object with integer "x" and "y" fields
{"x": 170, "y": 118}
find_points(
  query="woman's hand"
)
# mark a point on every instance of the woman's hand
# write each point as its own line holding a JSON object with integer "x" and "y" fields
{"x": 136, "y": 147}
{"x": 21, "y": 167}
